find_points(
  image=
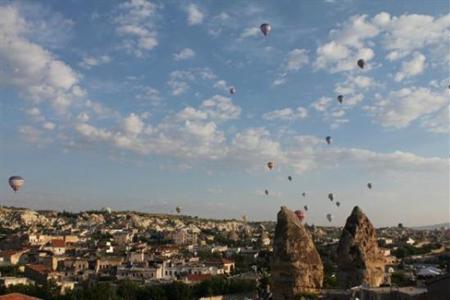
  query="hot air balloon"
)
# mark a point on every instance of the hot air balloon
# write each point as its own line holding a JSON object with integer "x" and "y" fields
{"x": 340, "y": 98}
{"x": 400, "y": 225}
{"x": 306, "y": 207}
{"x": 304, "y": 194}
{"x": 328, "y": 139}
{"x": 266, "y": 192}
{"x": 338, "y": 203}
{"x": 232, "y": 90}
{"x": 16, "y": 182}
{"x": 369, "y": 185}
{"x": 178, "y": 209}
{"x": 265, "y": 29}
{"x": 270, "y": 165}
{"x": 331, "y": 196}
{"x": 290, "y": 178}
{"x": 300, "y": 215}
{"x": 329, "y": 217}
{"x": 361, "y": 63}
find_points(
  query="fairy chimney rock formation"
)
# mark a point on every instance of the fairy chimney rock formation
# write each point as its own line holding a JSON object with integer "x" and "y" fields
{"x": 360, "y": 261}
{"x": 296, "y": 264}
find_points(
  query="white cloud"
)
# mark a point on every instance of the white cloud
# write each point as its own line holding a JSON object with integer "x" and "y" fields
{"x": 362, "y": 81}
{"x": 286, "y": 114}
{"x": 322, "y": 104}
{"x": 410, "y": 32}
{"x": 27, "y": 66}
{"x": 34, "y": 112}
{"x": 439, "y": 122}
{"x": 184, "y": 54}
{"x": 296, "y": 59}
{"x": 347, "y": 45}
{"x": 90, "y": 61}
{"x": 150, "y": 95}
{"x": 195, "y": 15}
{"x": 400, "y": 108}
{"x": 221, "y": 85}
{"x": 250, "y": 32}
{"x": 309, "y": 153}
{"x": 133, "y": 125}
{"x": 400, "y": 36}
{"x": 49, "y": 125}
{"x": 83, "y": 117}
{"x": 333, "y": 113}
{"x": 136, "y": 23}
{"x": 220, "y": 108}
{"x": 99, "y": 109}
{"x": 200, "y": 129}
{"x": 254, "y": 145}
{"x": 280, "y": 80}
{"x": 179, "y": 80}
{"x": 217, "y": 23}
{"x": 190, "y": 113}
{"x": 199, "y": 132}
{"x": 217, "y": 108}
{"x": 93, "y": 133}
{"x": 411, "y": 68}
{"x": 336, "y": 123}
{"x": 338, "y": 113}
{"x": 353, "y": 87}
{"x": 396, "y": 161}
{"x": 189, "y": 133}
{"x": 32, "y": 135}
{"x": 178, "y": 87}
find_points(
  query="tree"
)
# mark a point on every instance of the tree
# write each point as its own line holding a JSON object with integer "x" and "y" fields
{"x": 178, "y": 290}
{"x": 399, "y": 279}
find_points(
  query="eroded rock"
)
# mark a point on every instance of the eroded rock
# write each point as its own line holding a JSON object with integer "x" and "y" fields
{"x": 360, "y": 261}
{"x": 296, "y": 264}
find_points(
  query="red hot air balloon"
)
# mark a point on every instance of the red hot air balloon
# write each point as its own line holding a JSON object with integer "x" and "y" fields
{"x": 300, "y": 215}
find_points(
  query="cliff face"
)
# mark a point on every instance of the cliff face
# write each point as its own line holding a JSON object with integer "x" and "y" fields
{"x": 359, "y": 259}
{"x": 296, "y": 264}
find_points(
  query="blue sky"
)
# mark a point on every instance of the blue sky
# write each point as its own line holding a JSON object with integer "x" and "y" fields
{"x": 126, "y": 104}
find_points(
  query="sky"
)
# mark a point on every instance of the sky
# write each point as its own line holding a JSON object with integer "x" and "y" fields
{"x": 126, "y": 104}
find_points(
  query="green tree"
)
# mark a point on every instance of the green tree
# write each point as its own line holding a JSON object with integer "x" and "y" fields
{"x": 399, "y": 279}
{"x": 178, "y": 290}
